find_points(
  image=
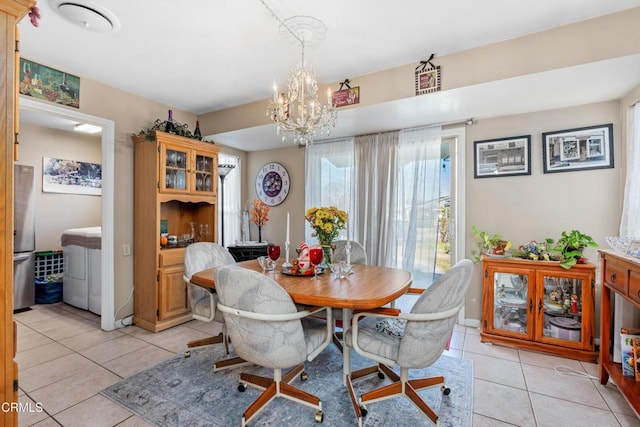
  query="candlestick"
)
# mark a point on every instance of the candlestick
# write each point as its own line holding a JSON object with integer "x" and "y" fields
{"x": 286, "y": 244}
{"x": 347, "y": 247}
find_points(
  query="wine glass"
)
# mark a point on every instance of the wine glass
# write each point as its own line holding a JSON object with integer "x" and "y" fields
{"x": 274, "y": 252}
{"x": 315, "y": 257}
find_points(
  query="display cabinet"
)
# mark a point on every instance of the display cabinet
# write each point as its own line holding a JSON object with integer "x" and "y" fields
{"x": 176, "y": 191}
{"x": 540, "y": 306}
{"x": 621, "y": 276}
{"x": 186, "y": 169}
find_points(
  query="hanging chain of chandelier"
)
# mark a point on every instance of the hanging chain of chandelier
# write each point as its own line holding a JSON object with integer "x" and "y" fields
{"x": 299, "y": 111}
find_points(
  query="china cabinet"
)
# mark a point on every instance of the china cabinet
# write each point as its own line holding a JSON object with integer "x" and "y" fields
{"x": 538, "y": 305}
{"x": 621, "y": 276}
{"x": 176, "y": 195}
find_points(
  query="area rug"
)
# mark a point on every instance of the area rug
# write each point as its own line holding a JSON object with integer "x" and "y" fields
{"x": 186, "y": 392}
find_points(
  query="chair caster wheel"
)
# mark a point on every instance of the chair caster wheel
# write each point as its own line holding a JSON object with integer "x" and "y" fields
{"x": 380, "y": 375}
{"x": 319, "y": 416}
{"x": 304, "y": 376}
{"x": 363, "y": 411}
{"x": 445, "y": 390}
{"x": 242, "y": 387}
{"x": 187, "y": 354}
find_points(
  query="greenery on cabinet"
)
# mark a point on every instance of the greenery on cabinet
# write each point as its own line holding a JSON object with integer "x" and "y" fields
{"x": 172, "y": 127}
{"x": 567, "y": 249}
{"x": 571, "y": 246}
{"x": 488, "y": 243}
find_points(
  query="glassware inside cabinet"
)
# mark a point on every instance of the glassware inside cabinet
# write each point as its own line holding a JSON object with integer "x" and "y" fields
{"x": 510, "y": 302}
{"x": 562, "y": 308}
{"x": 204, "y": 173}
{"x": 175, "y": 169}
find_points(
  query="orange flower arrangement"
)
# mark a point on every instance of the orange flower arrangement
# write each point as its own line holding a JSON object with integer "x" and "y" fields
{"x": 259, "y": 213}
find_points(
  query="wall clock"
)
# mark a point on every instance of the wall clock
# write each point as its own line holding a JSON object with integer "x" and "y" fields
{"x": 272, "y": 184}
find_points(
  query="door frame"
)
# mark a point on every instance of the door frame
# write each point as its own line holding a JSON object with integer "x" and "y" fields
{"x": 107, "y": 319}
{"x": 458, "y": 205}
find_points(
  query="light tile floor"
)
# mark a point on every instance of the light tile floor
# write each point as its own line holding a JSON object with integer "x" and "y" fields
{"x": 65, "y": 359}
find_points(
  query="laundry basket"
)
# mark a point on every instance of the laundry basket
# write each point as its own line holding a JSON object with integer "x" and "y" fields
{"x": 49, "y": 271}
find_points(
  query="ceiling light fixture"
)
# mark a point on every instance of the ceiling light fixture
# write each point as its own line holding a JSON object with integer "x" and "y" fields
{"x": 299, "y": 111}
{"x": 87, "y": 128}
{"x": 86, "y": 14}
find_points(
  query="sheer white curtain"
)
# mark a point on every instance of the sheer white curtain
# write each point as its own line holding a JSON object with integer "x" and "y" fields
{"x": 630, "y": 223}
{"x": 625, "y": 314}
{"x": 329, "y": 179}
{"x": 417, "y": 204}
{"x": 231, "y": 208}
{"x": 375, "y": 186}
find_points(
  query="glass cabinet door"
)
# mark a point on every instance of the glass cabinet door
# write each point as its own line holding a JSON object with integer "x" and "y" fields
{"x": 204, "y": 173}
{"x": 562, "y": 302}
{"x": 511, "y": 303}
{"x": 175, "y": 169}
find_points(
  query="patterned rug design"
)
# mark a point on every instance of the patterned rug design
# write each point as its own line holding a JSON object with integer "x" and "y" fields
{"x": 185, "y": 391}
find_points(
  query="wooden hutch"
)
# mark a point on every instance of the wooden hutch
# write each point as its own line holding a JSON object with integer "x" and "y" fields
{"x": 175, "y": 188}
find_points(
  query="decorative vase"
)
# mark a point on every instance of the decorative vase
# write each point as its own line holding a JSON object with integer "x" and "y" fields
{"x": 259, "y": 234}
{"x": 327, "y": 254}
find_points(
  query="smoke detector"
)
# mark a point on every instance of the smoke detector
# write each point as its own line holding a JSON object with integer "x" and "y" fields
{"x": 86, "y": 14}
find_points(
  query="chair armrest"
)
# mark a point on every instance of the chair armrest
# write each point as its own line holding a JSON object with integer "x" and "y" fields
{"x": 439, "y": 315}
{"x": 382, "y": 311}
{"x": 416, "y": 291}
{"x": 273, "y": 317}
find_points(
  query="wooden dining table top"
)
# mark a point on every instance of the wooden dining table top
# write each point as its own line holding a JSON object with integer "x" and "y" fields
{"x": 367, "y": 287}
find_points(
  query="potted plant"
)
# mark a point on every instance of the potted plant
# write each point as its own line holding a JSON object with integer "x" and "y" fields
{"x": 571, "y": 245}
{"x": 491, "y": 244}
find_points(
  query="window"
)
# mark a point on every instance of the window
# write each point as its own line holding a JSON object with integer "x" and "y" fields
{"x": 390, "y": 185}
{"x": 229, "y": 190}
{"x": 329, "y": 169}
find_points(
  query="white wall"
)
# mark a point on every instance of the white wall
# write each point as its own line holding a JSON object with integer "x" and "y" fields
{"x": 56, "y": 212}
{"x": 525, "y": 208}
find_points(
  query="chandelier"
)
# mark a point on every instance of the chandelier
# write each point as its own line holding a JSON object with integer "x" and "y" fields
{"x": 299, "y": 111}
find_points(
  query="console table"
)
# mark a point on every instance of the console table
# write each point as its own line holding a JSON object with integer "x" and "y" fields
{"x": 246, "y": 253}
{"x": 620, "y": 274}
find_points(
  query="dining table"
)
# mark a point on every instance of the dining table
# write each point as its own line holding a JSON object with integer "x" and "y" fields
{"x": 366, "y": 288}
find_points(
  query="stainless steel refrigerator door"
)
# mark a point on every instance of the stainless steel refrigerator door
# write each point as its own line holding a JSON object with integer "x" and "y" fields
{"x": 24, "y": 209}
{"x": 24, "y": 287}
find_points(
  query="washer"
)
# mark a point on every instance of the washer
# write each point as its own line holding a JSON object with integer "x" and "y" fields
{"x": 82, "y": 254}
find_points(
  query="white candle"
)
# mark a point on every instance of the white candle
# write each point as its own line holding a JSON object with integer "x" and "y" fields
{"x": 287, "y": 239}
{"x": 348, "y": 245}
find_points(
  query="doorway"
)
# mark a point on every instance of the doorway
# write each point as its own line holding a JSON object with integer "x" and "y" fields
{"x": 51, "y": 114}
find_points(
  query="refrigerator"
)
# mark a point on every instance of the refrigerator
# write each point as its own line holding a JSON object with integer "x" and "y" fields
{"x": 24, "y": 237}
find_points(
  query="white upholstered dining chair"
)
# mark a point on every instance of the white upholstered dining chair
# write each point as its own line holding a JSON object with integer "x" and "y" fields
{"x": 268, "y": 330}
{"x": 411, "y": 340}
{"x": 357, "y": 256}
{"x": 197, "y": 257}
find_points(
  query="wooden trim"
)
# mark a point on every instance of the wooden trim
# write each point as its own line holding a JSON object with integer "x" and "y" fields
{"x": 16, "y": 8}
{"x": 10, "y": 11}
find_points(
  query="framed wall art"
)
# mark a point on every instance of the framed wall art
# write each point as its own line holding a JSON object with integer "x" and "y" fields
{"x": 502, "y": 157}
{"x": 71, "y": 176}
{"x": 427, "y": 77}
{"x": 49, "y": 84}
{"x": 578, "y": 149}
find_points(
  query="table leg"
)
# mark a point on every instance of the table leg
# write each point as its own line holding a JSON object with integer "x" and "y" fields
{"x": 347, "y": 313}
{"x": 346, "y": 365}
